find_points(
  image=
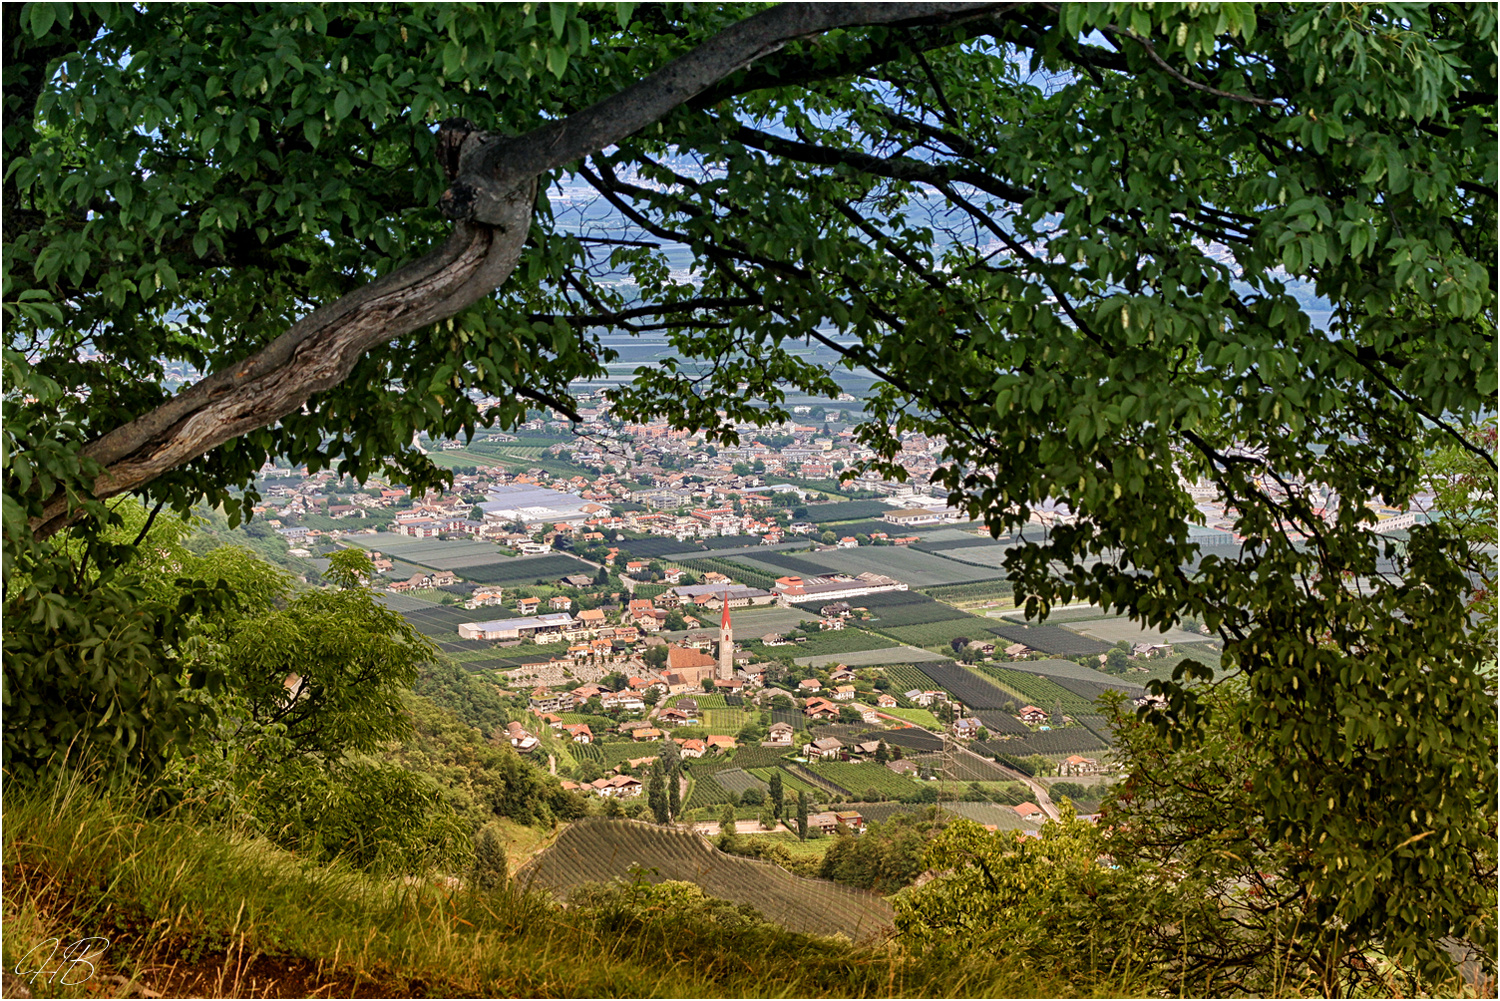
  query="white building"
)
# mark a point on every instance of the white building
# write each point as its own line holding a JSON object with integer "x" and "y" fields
{"x": 512, "y": 629}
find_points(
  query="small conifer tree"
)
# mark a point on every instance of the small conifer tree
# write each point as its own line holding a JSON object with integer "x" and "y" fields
{"x": 491, "y": 867}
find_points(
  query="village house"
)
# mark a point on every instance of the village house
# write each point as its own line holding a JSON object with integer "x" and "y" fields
{"x": 828, "y": 822}
{"x": 518, "y": 738}
{"x": 580, "y": 733}
{"x": 967, "y": 728}
{"x": 843, "y": 692}
{"x": 646, "y": 733}
{"x": 719, "y": 742}
{"x": 617, "y": 786}
{"x": 623, "y": 701}
{"x": 1078, "y": 765}
{"x": 885, "y": 701}
{"x": 780, "y": 735}
{"x": 560, "y": 603}
{"x": 1033, "y": 715}
{"x": 544, "y": 701}
{"x": 824, "y": 747}
{"x": 484, "y": 597}
{"x": 809, "y": 685}
{"x": 528, "y": 606}
{"x": 1029, "y": 811}
{"x": 820, "y": 709}
{"x": 692, "y": 747}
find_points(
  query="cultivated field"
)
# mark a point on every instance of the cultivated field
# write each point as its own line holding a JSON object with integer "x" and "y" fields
{"x": 963, "y": 766}
{"x": 525, "y": 569}
{"x": 998, "y": 721}
{"x": 1123, "y": 630}
{"x": 966, "y": 686}
{"x": 752, "y": 623}
{"x": 401, "y": 602}
{"x": 898, "y": 608}
{"x": 737, "y": 781}
{"x": 432, "y": 553}
{"x": 1002, "y": 817}
{"x": 858, "y": 778}
{"x": 990, "y": 557}
{"x": 1053, "y": 640}
{"x": 820, "y": 514}
{"x": 995, "y": 590}
{"x": 838, "y": 642}
{"x": 941, "y": 634}
{"x": 907, "y": 677}
{"x": 790, "y": 783}
{"x": 1043, "y": 693}
{"x": 909, "y": 739}
{"x": 868, "y": 658}
{"x": 921, "y": 717}
{"x": 914, "y": 568}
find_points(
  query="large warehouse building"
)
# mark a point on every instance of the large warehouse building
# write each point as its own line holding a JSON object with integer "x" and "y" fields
{"x": 538, "y": 504}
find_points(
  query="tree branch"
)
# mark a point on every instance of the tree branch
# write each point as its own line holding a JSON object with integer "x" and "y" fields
{"x": 491, "y": 197}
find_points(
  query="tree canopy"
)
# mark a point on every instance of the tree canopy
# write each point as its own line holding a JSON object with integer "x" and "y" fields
{"x": 1103, "y": 251}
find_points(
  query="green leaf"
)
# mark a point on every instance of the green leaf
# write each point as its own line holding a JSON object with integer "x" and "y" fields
{"x": 42, "y": 18}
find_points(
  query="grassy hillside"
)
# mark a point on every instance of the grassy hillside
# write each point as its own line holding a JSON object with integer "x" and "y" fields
{"x": 601, "y": 850}
{"x": 192, "y": 908}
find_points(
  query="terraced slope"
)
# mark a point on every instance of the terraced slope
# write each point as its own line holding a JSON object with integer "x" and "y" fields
{"x": 600, "y": 850}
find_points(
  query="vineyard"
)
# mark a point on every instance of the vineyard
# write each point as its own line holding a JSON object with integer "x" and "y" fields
{"x": 598, "y": 850}
{"x": 1082, "y": 613}
{"x": 615, "y": 754}
{"x": 840, "y": 641}
{"x": 749, "y": 576}
{"x": 588, "y": 752}
{"x": 755, "y": 756}
{"x": 910, "y": 739}
{"x": 857, "y": 778}
{"x": 789, "y": 782}
{"x": 706, "y": 792}
{"x": 1099, "y": 727}
{"x": 998, "y": 721}
{"x": 1069, "y": 740}
{"x": 1053, "y": 640}
{"x": 725, "y": 722}
{"x": 1092, "y": 690}
{"x": 525, "y": 570}
{"x": 970, "y": 592}
{"x": 785, "y": 564}
{"x": 813, "y": 779}
{"x": 653, "y": 548}
{"x": 1067, "y": 669}
{"x": 1002, "y": 817}
{"x": 898, "y": 608}
{"x": 940, "y": 634}
{"x": 966, "y": 686}
{"x": 791, "y": 717}
{"x": 964, "y": 767}
{"x": 736, "y": 781}
{"x": 907, "y": 677}
{"x": 880, "y": 813}
{"x": 822, "y": 514}
{"x": 944, "y": 545}
{"x": 1041, "y": 692}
